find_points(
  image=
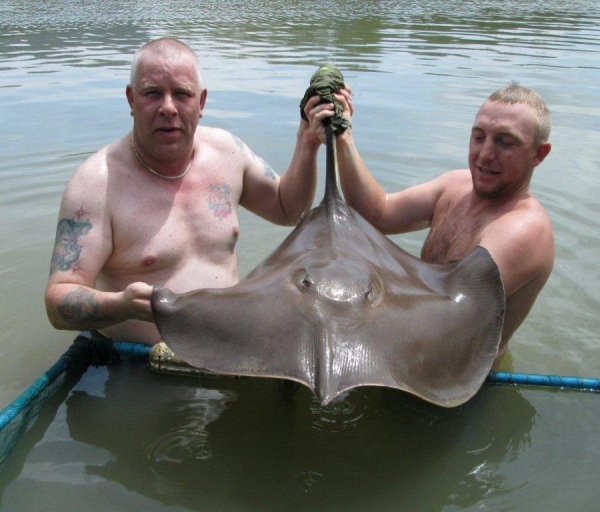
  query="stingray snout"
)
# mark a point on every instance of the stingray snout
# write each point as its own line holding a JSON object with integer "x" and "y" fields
{"x": 163, "y": 299}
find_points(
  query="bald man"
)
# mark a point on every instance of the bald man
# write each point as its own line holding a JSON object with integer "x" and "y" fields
{"x": 159, "y": 206}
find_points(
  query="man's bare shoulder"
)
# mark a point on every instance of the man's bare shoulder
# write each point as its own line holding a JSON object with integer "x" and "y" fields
{"x": 446, "y": 187}
{"x": 218, "y": 139}
{"x": 93, "y": 182}
{"x": 521, "y": 241}
{"x": 529, "y": 223}
{"x": 526, "y": 217}
{"x": 90, "y": 175}
{"x": 450, "y": 187}
{"x": 95, "y": 169}
{"x": 455, "y": 181}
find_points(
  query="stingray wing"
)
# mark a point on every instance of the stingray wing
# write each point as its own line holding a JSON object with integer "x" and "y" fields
{"x": 428, "y": 335}
{"x": 437, "y": 339}
{"x": 248, "y": 329}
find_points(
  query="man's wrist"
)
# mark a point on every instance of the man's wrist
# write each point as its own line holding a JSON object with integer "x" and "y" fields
{"x": 307, "y": 138}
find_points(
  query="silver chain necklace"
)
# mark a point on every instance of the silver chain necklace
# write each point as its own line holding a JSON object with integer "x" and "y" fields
{"x": 158, "y": 174}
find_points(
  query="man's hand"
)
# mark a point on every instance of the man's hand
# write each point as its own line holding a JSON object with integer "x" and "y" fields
{"x": 344, "y": 98}
{"x": 316, "y": 113}
{"x": 137, "y": 298}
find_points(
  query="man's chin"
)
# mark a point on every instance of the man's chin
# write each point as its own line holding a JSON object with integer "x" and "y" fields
{"x": 488, "y": 193}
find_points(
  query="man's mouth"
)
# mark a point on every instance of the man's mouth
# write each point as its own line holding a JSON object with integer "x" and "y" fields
{"x": 487, "y": 172}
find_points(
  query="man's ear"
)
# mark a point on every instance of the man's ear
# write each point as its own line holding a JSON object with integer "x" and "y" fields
{"x": 541, "y": 153}
{"x": 129, "y": 94}
{"x": 203, "y": 96}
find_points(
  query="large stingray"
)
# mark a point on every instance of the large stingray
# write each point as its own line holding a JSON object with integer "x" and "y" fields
{"x": 338, "y": 305}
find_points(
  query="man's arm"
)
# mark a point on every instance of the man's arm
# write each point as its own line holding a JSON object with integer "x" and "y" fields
{"x": 82, "y": 246}
{"x": 400, "y": 212}
{"x": 285, "y": 200}
{"x": 522, "y": 245}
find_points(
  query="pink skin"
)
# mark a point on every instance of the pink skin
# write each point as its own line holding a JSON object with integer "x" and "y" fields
{"x": 166, "y": 103}
{"x": 502, "y": 155}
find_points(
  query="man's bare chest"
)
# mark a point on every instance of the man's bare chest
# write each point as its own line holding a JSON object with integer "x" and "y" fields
{"x": 454, "y": 233}
{"x": 164, "y": 231}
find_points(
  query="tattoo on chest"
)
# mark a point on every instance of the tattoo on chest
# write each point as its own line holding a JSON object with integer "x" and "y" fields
{"x": 219, "y": 200}
{"x": 67, "y": 250}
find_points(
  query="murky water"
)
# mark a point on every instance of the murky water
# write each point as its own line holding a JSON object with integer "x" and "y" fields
{"x": 419, "y": 71}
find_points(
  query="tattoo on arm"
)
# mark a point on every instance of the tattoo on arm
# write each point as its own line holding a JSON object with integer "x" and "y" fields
{"x": 238, "y": 142}
{"x": 79, "y": 306}
{"x": 66, "y": 247}
{"x": 269, "y": 172}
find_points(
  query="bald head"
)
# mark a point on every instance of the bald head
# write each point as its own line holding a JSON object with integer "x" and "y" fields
{"x": 168, "y": 49}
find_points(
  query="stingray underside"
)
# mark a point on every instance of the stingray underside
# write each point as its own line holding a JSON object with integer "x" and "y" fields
{"x": 338, "y": 305}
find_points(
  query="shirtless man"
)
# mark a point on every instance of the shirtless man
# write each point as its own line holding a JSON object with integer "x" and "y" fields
{"x": 489, "y": 204}
{"x": 159, "y": 206}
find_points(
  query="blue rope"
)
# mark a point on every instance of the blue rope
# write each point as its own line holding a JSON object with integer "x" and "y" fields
{"x": 142, "y": 351}
{"x": 133, "y": 350}
{"x": 125, "y": 349}
{"x": 533, "y": 379}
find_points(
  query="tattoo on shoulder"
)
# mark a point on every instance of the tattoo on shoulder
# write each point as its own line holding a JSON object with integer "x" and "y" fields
{"x": 79, "y": 305}
{"x": 67, "y": 250}
{"x": 238, "y": 142}
{"x": 219, "y": 200}
{"x": 268, "y": 170}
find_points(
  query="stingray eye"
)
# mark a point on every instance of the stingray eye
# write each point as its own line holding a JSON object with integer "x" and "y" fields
{"x": 303, "y": 281}
{"x": 373, "y": 293}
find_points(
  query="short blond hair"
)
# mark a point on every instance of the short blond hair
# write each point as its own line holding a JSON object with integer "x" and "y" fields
{"x": 513, "y": 94}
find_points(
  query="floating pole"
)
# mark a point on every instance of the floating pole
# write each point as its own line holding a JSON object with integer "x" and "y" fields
{"x": 142, "y": 351}
{"x": 533, "y": 379}
{"x": 64, "y": 364}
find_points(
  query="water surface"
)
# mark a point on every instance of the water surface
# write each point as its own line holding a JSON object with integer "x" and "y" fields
{"x": 419, "y": 72}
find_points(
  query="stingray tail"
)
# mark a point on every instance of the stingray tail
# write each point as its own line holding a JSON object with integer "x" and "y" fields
{"x": 332, "y": 193}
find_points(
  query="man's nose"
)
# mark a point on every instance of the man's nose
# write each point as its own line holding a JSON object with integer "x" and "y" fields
{"x": 487, "y": 150}
{"x": 168, "y": 107}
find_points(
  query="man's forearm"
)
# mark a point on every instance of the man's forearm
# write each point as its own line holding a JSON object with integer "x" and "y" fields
{"x": 298, "y": 184}
{"x": 361, "y": 191}
{"x": 75, "y": 307}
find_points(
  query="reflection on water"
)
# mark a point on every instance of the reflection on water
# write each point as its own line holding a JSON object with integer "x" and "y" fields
{"x": 171, "y": 455}
{"x": 251, "y": 443}
{"x": 419, "y": 70}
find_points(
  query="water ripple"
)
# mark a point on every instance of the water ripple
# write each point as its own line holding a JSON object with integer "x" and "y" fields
{"x": 170, "y": 456}
{"x": 343, "y": 413}
{"x": 309, "y": 481}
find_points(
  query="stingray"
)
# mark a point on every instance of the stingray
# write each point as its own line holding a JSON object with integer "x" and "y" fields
{"x": 339, "y": 305}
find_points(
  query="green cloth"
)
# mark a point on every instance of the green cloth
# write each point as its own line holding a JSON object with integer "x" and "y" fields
{"x": 324, "y": 82}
